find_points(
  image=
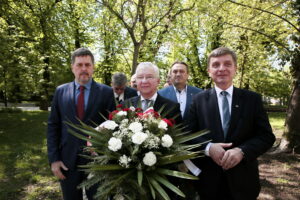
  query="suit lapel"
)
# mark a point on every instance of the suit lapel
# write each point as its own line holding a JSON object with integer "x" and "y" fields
{"x": 172, "y": 94}
{"x": 214, "y": 115}
{"x": 235, "y": 110}
{"x": 70, "y": 97}
{"x": 92, "y": 99}
{"x": 189, "y": 98}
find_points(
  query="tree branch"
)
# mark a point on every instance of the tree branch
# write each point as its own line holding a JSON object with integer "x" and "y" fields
{"x": 266, "y": 11}
{"x": 262, "y": 33}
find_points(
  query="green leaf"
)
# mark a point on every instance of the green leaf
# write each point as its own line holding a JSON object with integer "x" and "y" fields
{"x": 169, "y": 185}
{"x": 103, "y": 167}
{"x": 177, "y": 158}
{"x": 158, "y": 188}
{"x": 189, "y": 137}
{"x": 140, "y": 177}
{"x": 177, "y": 174}
{"x": 151, "y": 188}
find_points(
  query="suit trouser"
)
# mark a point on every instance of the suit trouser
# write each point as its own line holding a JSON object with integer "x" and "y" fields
{"x": 73, "y": 178}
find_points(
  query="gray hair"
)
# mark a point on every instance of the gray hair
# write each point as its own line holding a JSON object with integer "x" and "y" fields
{"x": 82, "y": 52}
{"x": 119, "y": 79}
{"x": 144, "y": 65}
{"x": 221, "y": 51}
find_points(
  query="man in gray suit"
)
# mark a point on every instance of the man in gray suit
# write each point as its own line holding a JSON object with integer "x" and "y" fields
{"x": 180, "y": 92}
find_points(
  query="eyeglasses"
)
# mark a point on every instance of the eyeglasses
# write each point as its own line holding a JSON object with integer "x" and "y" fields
{"x": 147, "y": 78}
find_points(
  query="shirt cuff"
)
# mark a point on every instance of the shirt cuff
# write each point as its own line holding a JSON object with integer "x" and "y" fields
{"x": 207, "y": 149}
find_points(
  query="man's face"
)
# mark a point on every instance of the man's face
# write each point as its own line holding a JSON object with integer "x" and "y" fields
{"x": 222, "y": 70}
{"x": 133, "y": 82}
{"x": 118, "y": 89}
{"x": 146, "y": 81}
{"x": 179, "y": 74}
{"x": 83, "y": 69}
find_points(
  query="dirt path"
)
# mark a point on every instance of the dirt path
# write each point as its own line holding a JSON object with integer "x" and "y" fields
{"x": 280, "y": 176}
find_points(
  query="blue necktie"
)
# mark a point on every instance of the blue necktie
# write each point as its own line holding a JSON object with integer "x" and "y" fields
{"x": 146, "y": 103}
{"x": 226, "y": 113}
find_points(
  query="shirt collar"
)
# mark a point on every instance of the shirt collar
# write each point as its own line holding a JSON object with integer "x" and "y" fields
{"x": 153, "y": 98}
{"x": 228, "y": 90}
{"x": 184, "y": 90}
{"x": 87, "y": 85}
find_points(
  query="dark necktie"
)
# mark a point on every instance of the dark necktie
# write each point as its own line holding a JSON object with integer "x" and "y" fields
{"x": 80, "y": 103}
{"x": 226, "y": 113}
{"x": 118, "y": 99}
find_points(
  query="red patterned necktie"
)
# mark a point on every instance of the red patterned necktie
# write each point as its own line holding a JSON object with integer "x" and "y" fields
{"x": 80, "y": 103}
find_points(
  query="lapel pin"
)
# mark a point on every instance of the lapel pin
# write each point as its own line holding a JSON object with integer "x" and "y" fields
{"x": 237, "y": 106}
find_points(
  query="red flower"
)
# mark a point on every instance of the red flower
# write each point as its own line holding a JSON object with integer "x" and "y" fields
{"x": 119, "y": 106}
{"x": 126, "y": 109}
{"x": 138, "y": 110}
{"x": 169, "y": 121}
{"x": 112, "y": 114}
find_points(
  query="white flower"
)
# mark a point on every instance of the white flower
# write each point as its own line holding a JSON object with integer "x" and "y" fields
{"x": 139, "y": 137}
{"x": 149, "y": 159}
{"x": 166, "y": 141}
{"x": 109, "y": 124}
{"x": 152, "y": 142}
{"x": 136, "y": 127}
{"x": 132, "y": 108}
{"x": 124, "y": 161}
{"x": 122, "y": 113}
{"x": 114, "y": 144}
{"x": 118, "y": 197}
{"x": 163, "y": 125}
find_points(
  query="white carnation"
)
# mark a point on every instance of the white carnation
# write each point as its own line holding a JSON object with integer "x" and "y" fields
{"x": 136, "y": 127}
{"x": 109, "y": 124}
{"x": 139, "y": 137}
{"x": 118, "y": 197}
{"x": 149, "y": 159}
{"x": 132, "y": 108}
{"x": 166, "y": 141}
{"x": 114, "y": 144}
{"x": 122, "y": 113}
{"x": 163, "y": 125}
{"x": 124, "y": 161}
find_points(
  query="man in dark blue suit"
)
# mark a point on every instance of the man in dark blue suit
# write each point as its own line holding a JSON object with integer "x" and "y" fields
{"x": 82, "y": 99}
{"x": 180, "y": 92}
{"x": 119, "y": 86}
{"x": 239, "y": 132}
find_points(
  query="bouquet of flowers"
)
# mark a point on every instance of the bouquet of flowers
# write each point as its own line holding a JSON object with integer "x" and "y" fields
{"x": 133, "y": 152}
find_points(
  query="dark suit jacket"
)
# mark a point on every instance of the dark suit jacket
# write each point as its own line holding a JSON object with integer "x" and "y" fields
{"x": 249, "y": 130}
{"x": 129, "y": 92}
{"x": 171, "y": 106}
{"x": 62, "y": 146}
{"x": 170, "y": 93}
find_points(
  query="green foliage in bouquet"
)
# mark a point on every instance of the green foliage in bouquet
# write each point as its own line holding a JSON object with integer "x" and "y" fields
{"x": 133, "y": 152}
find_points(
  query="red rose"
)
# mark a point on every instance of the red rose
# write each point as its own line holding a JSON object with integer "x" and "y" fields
{"x": 169, "y": 122}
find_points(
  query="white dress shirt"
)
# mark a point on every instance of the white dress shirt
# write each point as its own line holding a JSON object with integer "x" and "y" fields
{"x": 181, "y": 99}
{"x": 220, "y": 101}
{"x": 153, "y": 99}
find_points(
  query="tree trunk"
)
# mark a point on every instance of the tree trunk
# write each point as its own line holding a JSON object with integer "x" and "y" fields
{"x": 291, "y": 136}
{"x": 135, "y": 57}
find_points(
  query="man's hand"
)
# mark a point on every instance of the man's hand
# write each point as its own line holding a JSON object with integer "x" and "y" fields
{"x": 216, "y": 151}
{"x": 231, "y": 158}
{"x": 56, "y": 169}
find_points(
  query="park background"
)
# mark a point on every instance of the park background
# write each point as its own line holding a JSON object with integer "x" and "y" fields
{"x": 38, "y": 36}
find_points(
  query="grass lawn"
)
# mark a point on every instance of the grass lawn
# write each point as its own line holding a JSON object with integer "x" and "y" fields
{"x": 277, "y": 120}
{"x": 24, "y": 169}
